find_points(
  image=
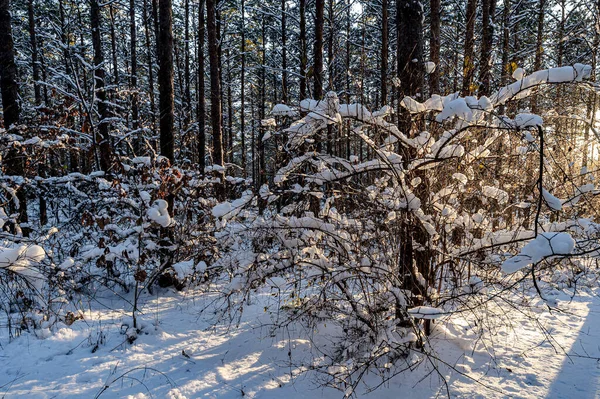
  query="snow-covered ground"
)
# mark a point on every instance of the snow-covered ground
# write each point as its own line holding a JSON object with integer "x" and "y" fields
{"x": 181, "y": 356}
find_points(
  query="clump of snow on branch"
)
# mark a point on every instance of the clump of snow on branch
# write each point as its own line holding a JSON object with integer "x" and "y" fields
{"x": 545, "y": 245}
{"x": 159, "y": 213}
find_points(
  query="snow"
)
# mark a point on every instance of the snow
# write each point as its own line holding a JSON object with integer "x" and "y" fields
{"x": 460, "y": 177}
{"x": 494, "y": 192}
{"x": 518, "y": 74}
{"x": 22, "y": 259}
{"x": 142, "y": 161}
{"x": 184, "y": 268}
{"x": 180, "y": 355}
{"x": 159, "y": 213}
{"x": 454, "y": 106}
{"x": 308, "y": 104}
{"x": 553, "y": 203}
{"x": 458, "y": 108}
{"x": 283, "y": 110}
{"x": 429, "y": 67}
{"x": 523, "y": 121}
{"x": 543, "y": 246}
{"x": 269, "y": 122}
{"x": 221, "y": 210}
{"x": 3, "y": 217}
{"x": 425, "y": 312}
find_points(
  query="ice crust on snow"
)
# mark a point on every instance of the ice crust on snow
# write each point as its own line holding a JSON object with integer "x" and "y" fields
{"x": 543, "y": 246}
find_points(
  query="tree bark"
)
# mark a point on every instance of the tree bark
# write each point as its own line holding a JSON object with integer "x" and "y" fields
{"x": 201, "y": 88}
{"x": 318, "y": 51}
{"x": 103, "y": 138}
{"x": 134, "y": 97}
{"x": 215, "y": 89}
{"x": 409, "y": 16}
{"x": 539, "y": 51}
{"x": 187, "y": 94}
{"x": 284, "y": 74}
{"x": 434, "y": 46}
{"x": 113, "y": 44}
{"x": 384, "y": 51}
{"x": 34, "y": 53}
{"x": 243, "y": 91}
{"x": 485, "y": 75}
{"x": 149, "y": 65}
{"x": 165, "y": 80}
{"x": 14, "y": 162}
{"x": 468, "y": 61}
{"x": 8, "y": 68}
{"x": 303, "y": 50}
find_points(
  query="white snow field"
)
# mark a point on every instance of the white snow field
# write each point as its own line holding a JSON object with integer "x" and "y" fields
{"x": 180, "y": 356}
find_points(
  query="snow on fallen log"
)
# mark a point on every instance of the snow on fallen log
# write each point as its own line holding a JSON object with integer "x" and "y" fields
{"x": 545, "y": 245}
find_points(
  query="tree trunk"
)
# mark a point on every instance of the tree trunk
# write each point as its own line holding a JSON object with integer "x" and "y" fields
{"x": 242, "y": 91}
{"x": 187, "y": 94}
{"x": 318, "y": 51}
{"x": 303, "y": 50}
{"x": 165, "y": 80}
{"x": 539, "y": 50}
{"x": 215, "y": 89}
{"x": 229, "y": 151}
{"x": 201, "y": 88}
{"x": 135, "y": 124}
{"x": 485, "y": 75}
{"x": 434, "y": 46}
{"x": 468, "y": 61}
{"x": 113, "y": 43}
{"x": 150, "y": 66}
{"x": 63, "y": 36}
{"x": 8, "y": 69}
{"x": 14, "y": 161}
{"x": 284, "y": 75}
{"x": 103, "y": 138}
{"x": 34, "y": 53}
{"x": 384, "y": 51}
{"x": 409, "y": 16}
